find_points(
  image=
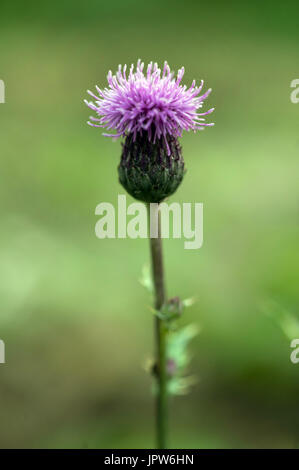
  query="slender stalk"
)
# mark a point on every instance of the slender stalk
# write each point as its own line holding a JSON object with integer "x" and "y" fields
{"x": 160, "y": 334}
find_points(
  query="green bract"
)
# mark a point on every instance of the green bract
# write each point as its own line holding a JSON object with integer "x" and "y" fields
{"x": 146, "y": 170}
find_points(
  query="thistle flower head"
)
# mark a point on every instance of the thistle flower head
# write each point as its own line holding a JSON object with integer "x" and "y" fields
{"x": 150, "y": 102}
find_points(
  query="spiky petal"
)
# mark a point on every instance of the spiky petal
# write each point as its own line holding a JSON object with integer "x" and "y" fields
{"x": 151, "y": 102}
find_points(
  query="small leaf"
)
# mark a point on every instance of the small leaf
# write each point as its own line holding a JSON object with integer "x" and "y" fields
{"x": 189, "y": 302}
{"x": 181, "y": 385}
{"x": 146, "y": 279}
{"x": 285, "y": 320}
{"x": 177, "y": 351}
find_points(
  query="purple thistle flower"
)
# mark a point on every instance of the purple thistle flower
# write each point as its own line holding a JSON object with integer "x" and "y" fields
{"x": 148, "y": 102}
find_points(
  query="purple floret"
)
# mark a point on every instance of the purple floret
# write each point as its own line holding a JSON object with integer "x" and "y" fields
{"x": 148, "y": 102}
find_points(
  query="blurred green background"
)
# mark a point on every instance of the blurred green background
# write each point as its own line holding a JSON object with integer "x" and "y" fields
{"x": 73, "y": 316}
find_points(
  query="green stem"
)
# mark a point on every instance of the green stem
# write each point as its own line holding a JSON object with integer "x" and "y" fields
{"x": 160, "y": 335}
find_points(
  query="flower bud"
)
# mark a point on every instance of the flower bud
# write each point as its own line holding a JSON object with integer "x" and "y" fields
{"x": 151, "y": 171}
{"x": 175, "y": 306}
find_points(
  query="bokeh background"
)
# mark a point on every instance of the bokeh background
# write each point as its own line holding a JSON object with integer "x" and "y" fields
{"x": 75, "y": 320}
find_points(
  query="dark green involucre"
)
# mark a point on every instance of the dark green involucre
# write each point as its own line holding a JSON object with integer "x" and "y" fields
{"x": 146, "y": 170}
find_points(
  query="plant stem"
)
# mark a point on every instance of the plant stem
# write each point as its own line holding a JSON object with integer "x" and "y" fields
{"x": 160, "y": 334}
